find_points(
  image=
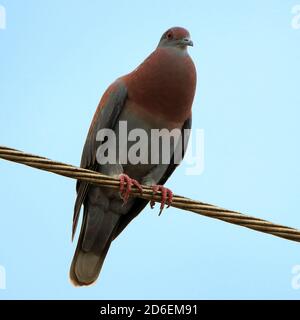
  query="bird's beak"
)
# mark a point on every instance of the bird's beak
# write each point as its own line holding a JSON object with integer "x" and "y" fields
{"x": 187, "y": 42}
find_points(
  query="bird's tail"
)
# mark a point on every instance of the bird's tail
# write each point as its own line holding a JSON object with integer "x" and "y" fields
{"x": 95, "y": 237}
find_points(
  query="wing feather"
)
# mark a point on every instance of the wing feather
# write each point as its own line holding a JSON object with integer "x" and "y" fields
{"x": 106, "y": 116}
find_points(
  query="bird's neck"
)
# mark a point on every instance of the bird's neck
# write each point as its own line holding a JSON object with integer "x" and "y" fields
{"x": 176, "y": 50}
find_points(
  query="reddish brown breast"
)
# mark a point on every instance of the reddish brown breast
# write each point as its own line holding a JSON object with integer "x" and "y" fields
{"x": 164, "y": 84}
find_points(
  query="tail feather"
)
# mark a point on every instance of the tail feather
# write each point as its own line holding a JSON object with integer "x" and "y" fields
{"x": 96, "y": 235}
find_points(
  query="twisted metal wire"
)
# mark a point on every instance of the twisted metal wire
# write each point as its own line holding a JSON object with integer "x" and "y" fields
{"x": 180, "y": 202}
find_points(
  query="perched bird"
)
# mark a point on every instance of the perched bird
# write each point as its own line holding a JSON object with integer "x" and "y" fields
{"x": 156, "y": 95}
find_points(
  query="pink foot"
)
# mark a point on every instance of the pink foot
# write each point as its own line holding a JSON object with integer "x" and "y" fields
{"x": 166, "y": 197}
{"x": 126, "y": 184}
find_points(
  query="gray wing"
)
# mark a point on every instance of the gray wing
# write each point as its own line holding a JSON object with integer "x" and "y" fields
{"x": 106, "y": 116}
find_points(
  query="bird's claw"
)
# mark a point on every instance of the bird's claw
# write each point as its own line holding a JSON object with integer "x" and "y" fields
{"x": 166, "y": 197}
{"x": 126, "y": 184}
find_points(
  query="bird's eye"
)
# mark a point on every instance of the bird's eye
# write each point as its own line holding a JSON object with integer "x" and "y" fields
{"x": 169, "y": 35}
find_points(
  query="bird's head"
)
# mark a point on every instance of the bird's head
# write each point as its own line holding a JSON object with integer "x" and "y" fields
{"x": 176, "y": 37}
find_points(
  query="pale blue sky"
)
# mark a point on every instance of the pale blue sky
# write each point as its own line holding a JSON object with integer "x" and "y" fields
{"x": 57, "y": 58}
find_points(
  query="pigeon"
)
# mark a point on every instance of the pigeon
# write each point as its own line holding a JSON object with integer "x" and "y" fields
{"x": 157, "y": 95}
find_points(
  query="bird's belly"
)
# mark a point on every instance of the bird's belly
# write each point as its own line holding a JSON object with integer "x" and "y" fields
{"x": 138, "y": 146}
